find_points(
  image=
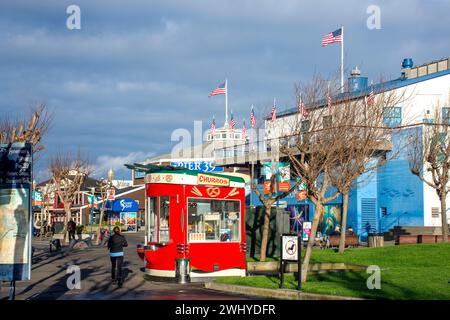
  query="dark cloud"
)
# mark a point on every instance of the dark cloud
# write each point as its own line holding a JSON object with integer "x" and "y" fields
{"x": 137, "y": 70}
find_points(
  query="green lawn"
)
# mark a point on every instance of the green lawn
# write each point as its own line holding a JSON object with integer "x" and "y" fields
{"x": 408, "y": 272}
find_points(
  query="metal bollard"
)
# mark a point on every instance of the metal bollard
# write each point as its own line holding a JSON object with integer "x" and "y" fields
{"x": 182, "y": 270}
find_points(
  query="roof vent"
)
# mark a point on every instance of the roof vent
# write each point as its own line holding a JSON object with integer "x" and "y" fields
{"x": 407, "y": 63}
{"x": 356, "y": 82}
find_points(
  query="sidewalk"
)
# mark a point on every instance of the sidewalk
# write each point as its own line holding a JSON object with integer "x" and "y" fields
{"x": 49, "y": 276}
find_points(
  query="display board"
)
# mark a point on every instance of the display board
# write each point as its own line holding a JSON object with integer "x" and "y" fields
{"x": 15, "y": 211}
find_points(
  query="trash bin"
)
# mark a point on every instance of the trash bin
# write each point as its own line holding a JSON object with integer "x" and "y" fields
{"x": 375, "y": 239}
{"x": 182, "y": 270}
{"x": 55, "y": 245}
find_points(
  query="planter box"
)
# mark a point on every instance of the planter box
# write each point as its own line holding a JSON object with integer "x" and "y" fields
{"x": 439, "y": 239}
{"x": 426, "y": 238}
{"x": 406, "y": 239}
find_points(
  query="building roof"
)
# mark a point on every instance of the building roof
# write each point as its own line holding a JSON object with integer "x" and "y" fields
{"x": 150, "y": 168}
{"x": 377, "y": 88}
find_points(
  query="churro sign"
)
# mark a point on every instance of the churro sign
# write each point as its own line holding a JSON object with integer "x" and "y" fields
{"x": 205, "y": 179}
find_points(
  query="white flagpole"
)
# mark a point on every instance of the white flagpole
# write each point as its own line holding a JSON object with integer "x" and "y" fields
{"x": 226, "y": 102}
{"x": 342, "y": 60}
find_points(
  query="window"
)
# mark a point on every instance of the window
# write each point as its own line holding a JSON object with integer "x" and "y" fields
{"x": 152, "y": 219}
{"x": 392, "y": 116}
{"x": 435, "y": 212}
{"x": 164, "y": 210}
{"x": 326, "y": 121}
{"x": 446, "y": 115}
{"x": 305, "y": 126}
{"x": 213, "y": 220}
{"x": 383, "y": 211}
{"x": 158, "y": 219}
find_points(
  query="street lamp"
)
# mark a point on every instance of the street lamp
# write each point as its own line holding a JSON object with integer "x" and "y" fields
{"x": 110, "y": 179}
{"x": 92, "y": 205}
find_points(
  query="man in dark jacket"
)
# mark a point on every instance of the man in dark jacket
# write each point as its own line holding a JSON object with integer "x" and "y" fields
{"x": 116, "y": 243}
{"x": 71, "y": 228}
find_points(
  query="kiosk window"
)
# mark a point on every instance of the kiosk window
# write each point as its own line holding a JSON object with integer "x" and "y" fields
{"x": 152, "y": 219}
{"x": 164, "y": 209}
{"x": 213, "y": 220}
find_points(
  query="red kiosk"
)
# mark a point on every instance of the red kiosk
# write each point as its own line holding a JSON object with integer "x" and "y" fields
{"x": 195, "y": 224}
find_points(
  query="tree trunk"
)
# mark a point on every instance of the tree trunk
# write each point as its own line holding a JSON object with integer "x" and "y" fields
{"x": 68, "y": 211}
{"x": 444, "y": 217}
{"x": 265, "y": 235}
{"x": 42, "y": 223}
{"x": 343, "y": 223}
{"x": 312, "y": 237}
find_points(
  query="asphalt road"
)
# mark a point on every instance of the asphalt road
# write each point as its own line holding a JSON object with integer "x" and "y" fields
{"x": 49, "y": 278}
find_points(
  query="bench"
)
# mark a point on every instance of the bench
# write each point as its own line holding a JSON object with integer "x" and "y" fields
{"x": 351, "y": 240}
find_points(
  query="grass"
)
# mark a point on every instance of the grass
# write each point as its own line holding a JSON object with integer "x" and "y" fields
{"x": 408, "y": 272}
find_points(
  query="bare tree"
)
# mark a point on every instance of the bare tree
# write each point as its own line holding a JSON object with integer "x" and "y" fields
{"x": 47, "y": 192}
{"x": 68, "y": 173}
{"x": 362, "y": 142}
{"x": 429, "y": 158}
{"x": 29, "y": 130}
{"x": 103, "y": 185}
{"x": 312, "y": 149}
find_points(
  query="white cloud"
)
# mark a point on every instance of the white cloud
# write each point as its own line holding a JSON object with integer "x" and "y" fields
{"x": 106, "y": 162}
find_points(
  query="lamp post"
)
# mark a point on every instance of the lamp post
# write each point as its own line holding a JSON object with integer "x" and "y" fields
{"x": 92, "y": 205}
{"x": 110, "y": 179}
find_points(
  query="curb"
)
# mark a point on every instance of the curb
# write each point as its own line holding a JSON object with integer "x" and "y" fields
{"x": 284, "y": 294}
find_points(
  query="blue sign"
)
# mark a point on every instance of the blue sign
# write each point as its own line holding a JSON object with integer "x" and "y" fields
{"x": 203, "y": 166}
{"x": 139, "y": 174}
{"x": 123, "y": 205}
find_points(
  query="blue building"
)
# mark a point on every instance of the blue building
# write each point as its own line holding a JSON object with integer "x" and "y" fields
{"x": 390, "y": 196}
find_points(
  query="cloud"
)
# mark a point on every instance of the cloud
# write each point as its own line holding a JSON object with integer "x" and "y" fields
{"x": 106, "y": 162}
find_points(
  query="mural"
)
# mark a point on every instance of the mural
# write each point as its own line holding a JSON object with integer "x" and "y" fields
{"x": 332, "y": 214}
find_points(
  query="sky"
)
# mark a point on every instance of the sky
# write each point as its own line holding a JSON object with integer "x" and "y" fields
{"x": 136, "y": 71}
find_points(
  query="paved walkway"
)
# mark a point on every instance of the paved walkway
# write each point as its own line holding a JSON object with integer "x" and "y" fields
{"x": 49, "y": 277}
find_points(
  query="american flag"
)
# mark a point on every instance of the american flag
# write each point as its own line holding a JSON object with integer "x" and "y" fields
{"x": 213, "y": 127}
{"x": 274, "y": 111}
{"x": 244, "y": 131}
{"x": 370, "y": 99}
{"x": 232, "y": 123}
{"x": 301, "y": 109}
{"x": 252, "y": 119}
{"x": 221, "y": 89}
{"x": 332, "y": 37}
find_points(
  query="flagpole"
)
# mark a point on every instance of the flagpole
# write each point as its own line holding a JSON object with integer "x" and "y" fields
{"x": 342, "y": 60}
{"x": 226, "y": 102}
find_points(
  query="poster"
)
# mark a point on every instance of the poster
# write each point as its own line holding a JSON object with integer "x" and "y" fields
{"x": 306, "y": 230}
{"x": 15, "y": 211}
{"x": 14, "y": 225}
{"x": 129, "y": 219}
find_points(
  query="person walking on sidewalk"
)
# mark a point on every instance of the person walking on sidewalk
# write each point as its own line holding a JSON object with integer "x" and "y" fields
{"x": 116, "y": 243}
{"x": 71, "y": 228}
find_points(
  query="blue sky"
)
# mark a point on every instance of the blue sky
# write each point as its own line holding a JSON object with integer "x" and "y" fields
{"x": 137, "y": 70}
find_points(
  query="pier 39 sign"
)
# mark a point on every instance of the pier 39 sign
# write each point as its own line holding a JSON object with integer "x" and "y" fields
{"x": 203, "y": 166}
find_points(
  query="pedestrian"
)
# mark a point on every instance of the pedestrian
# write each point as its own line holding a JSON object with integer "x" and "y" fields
{"x": 116, "y": 243}
{"x": 71, "y": 228}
